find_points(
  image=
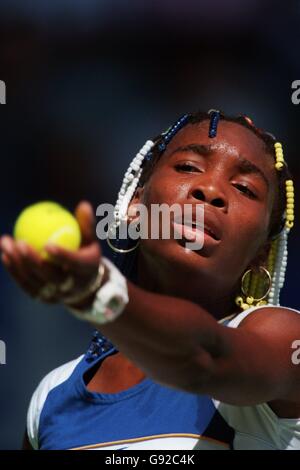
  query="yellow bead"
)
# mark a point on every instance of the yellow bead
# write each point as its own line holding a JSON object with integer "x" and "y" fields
{"x": 290, "y": 205}
{"x": 290, "y": 211}
{"x": 290, "y": 200}
{"x": 290, "y": 217}
{"x": 279, "y": 153}
{"x": 249, "y": 300}
{"x": 289, "y": 224}
{"x": 278, "y": 145}
{"x": 279, "y": 166}
{"x": 289, "y": 183}
{"x": 239, "y": 301}
{"x": 289, "y": 194}
{"x": 245, "y": 306}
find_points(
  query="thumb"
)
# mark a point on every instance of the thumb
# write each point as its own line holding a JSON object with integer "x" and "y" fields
{"x": 85, "y": 216}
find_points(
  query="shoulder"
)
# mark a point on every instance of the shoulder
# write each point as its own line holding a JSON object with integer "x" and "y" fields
{"x": 270, "y": 316}
{"x": 39, "y": 397}
{"x": 277, "y": 330}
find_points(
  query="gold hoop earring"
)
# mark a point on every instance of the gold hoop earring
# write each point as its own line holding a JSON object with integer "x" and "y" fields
{"x": 114, "y": 248}
{"x": 262, "y": 268}
{"x": 250, "y": 300}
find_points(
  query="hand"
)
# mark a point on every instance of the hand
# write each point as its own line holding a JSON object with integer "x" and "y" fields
{"x": 67, "y": 274}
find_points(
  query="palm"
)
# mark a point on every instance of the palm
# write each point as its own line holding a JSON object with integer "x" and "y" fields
{"x": 34, "y": 274}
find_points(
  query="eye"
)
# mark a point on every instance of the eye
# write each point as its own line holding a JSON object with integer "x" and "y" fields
{"x": 245, "y": 190}
{"x": 188, "y": 167}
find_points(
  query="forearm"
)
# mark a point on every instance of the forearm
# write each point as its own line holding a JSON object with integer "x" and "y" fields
{"x": 179, "y": 344}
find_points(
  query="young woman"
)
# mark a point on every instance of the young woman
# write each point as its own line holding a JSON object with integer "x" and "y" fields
{"x": 207, "y": 358}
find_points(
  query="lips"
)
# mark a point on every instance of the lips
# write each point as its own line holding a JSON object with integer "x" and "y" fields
{"x": 211, "y": 225}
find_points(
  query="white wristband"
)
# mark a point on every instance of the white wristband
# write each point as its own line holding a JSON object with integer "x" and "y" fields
{"x": 110, "y": 299}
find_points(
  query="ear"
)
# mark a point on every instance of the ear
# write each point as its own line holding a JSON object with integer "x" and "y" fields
{"x": 262, "y": 256}
{"x": 133, "y": 205}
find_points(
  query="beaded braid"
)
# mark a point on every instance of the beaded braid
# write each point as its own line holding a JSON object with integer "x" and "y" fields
{"x": 130, "y": 182}
{"x": 277, "y": 257}
{"x": 134, "y": 171}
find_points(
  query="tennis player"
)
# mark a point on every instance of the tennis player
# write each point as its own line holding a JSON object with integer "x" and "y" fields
{"x": 201, "y": 355}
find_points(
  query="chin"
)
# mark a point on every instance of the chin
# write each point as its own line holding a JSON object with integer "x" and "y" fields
{"x": 174, "y": 253}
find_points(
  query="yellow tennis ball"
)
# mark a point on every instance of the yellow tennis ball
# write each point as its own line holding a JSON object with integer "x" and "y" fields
{"x": 47, "y": 222}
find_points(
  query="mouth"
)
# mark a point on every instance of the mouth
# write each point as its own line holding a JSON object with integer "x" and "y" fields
{"x": 210, "y": 228}
{"x": 210, "y": 233}
{"x": 198, "y": 227}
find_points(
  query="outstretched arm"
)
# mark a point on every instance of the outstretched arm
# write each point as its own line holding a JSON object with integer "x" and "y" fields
{"x": 173, "y": 340}
{"x": 179, "y": 344}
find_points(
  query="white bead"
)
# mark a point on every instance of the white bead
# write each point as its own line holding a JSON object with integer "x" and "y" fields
{"x": 134, "y": 166}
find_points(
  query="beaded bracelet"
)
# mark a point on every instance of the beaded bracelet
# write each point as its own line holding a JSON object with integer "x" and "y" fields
{"x": 110, "y": 300}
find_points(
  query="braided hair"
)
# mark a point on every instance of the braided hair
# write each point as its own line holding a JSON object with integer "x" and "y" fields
{"x": 142, "y": 166}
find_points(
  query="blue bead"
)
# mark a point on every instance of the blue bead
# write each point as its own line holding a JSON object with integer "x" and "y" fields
{"x": 214, "y": 119}
{"x": 162, "y": 146}
{"x": 169, "y": 134}
{"x": 98, "y": 346}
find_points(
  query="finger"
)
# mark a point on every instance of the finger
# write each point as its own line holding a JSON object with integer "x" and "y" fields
{"x": 43, "y": 270}
{"x": 12, "y": 259}
{"x": 26, "y": 267}
{"x": 22, "y": 253}
{"x": 13, "y": 252}
{"x": 82, "y": 261}
{"x": 31, "y": 262}
{"x": 6, "y": 242}
{"x": 5, "y": 260}
{"x": 34, "y": 289}
{"x": 8, "y": 247}
{"x": 29, "y": 270}
{"x": 85, "y": 216}
{"x": 24, "y": 282}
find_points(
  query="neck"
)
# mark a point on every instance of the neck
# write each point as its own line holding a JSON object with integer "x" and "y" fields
{"x": 161, "y": 277}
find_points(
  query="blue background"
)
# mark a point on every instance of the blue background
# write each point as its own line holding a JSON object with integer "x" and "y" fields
{"x": 87, "y": 83}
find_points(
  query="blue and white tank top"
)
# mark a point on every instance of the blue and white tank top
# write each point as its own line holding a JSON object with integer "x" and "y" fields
{"x": 64, "y": 414}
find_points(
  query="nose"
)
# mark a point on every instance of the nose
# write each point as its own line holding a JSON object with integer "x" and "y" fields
{"x": 209, "y": 192}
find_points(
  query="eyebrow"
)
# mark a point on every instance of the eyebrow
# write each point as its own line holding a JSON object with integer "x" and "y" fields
{"x": 244, "y": 165}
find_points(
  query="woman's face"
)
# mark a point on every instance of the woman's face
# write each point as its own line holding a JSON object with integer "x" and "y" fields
{"x": 235, "y": 180}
